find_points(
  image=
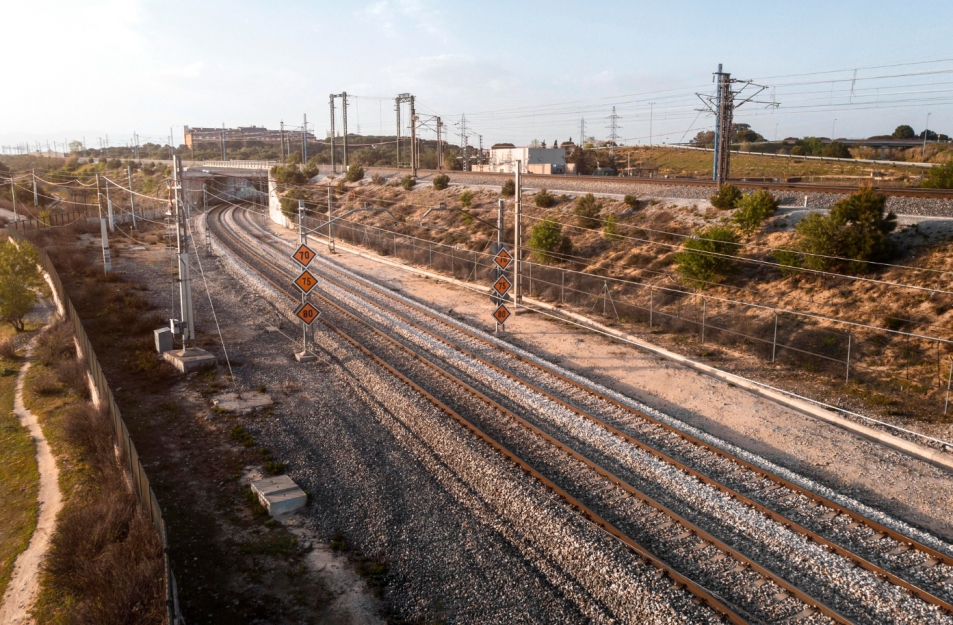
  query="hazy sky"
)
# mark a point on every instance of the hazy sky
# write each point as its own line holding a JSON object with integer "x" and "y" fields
{"x": 519, "y": 70}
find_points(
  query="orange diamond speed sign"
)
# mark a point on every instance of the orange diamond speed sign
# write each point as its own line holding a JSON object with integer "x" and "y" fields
{"x": 306, "y": 281}
{"x": 304, "y": 255}
{"x": 307, "y": 313}
{"x": 503, "y": 258}
{"x": 502, "y": 285}
{"x": 501, "y": 314}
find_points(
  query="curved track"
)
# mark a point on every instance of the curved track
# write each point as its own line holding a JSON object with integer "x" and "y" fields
{"x": 742, "y": 481}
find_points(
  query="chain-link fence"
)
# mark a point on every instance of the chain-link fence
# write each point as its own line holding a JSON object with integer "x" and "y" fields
{"x": 900, "y": 370}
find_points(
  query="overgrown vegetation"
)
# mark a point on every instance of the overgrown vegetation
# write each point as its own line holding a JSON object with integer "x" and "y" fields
{"x": 408, "y": 182}
{"x": 753, "y": 209}
{"x": 610, "y": 229}
{"x": 632, "y": 201}
{"x": 466, "y": 198}
{"x": 289, "y": 202}
{"x": 587, "y": 208}
{"x": 939, "y": 177}
{"x": 105, "y": 562}
{"x": 441, "y": 182}
{"x": 727, "y": 197}
{"x": 509, "y": 188}
{"x": 703, "y": 260}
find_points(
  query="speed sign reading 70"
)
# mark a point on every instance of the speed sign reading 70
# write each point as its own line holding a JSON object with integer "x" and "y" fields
{"x": 304, "y": 255}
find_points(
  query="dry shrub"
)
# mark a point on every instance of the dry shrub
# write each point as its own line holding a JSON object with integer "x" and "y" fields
{"x": 69, "y": 260}
{"x": 55, "y": 344}
{"x": 72, "y": 373}
{"x": 90, "y": 429}
{"x": 8, "y": 349}
{"x": 46, "y": 383}
{"x": 108, "y": 558}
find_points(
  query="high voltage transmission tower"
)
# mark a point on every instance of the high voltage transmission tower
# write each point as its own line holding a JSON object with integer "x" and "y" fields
{"x": 582, "y": 131}
{"x": 402, "y": 98}
{"x": 613, "y": 127}
{"x": 722, "y": 104}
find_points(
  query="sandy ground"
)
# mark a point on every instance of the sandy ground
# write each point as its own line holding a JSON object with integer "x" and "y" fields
{"x": 24, "y": 584}
{"x": 909, "y": 489}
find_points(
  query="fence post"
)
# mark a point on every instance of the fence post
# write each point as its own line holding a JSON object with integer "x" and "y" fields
{"x": 948, "y": 381}
{"x": 847, "y": 376}
{"x": 431, "y": 255}
{"x": 704, "y": 311}
{"x": 562, "y": 288}
{"x": 774, "y": 344}
{"x": 651, "y": 305}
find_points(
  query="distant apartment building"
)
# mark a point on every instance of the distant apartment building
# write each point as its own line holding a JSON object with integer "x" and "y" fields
{"x": 243, "y": 134}
{"x": 532, "y": 160}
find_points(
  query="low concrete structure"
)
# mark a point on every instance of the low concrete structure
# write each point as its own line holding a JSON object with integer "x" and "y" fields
{"x": 532, "y": 160}
{"x": 190, "y": 359}
{"x": 279, "y": 494}
{"x": 238, "y": 403}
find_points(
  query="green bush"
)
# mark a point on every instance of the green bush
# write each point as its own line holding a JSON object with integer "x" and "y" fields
{"x": 727, "y": 197}
{"x": 586, "y": 209}
{"x": 509, "y": 188}
{"x": 939, "y": 177}
{"x": 545, "y": 199}
{"x": 857, "y": 228}
{"x": 377, "y": 179}
{"x": 835, "y": 149}
{"x": 408, "y": 182}
{"x": 788, "y": 259}
{"x": 441, "y": 182}
{"x": 702, "y": 258}
{"x": 289, "y": 202}
{"x": 753, "y": 209}
{"x": 610, "y": 228}
{"x": 19, "y": 281}
{"x": 285, "y": 174}
{"x": 354, "y": 173}
{"x": 631, "y": 201}
{"x": 547, "y": 241}
{"x": 466, "y": 198}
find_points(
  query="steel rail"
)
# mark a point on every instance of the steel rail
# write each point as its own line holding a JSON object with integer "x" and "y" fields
{"x": 776, "y": 516}
{"x": 764, "y": 572}
{"x": 804, "y": 187}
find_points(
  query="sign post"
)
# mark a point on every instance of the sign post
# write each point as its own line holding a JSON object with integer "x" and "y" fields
{"x": 501, "y": 287}
{"x": 305, "y": 283}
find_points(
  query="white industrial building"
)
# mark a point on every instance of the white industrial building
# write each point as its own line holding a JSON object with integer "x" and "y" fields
{"x": 532, "y": 160}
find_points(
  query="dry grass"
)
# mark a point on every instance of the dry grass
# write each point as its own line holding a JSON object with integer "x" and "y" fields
{"x": 8, "y": 349}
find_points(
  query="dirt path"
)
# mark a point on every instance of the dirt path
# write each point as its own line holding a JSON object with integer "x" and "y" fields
{"x": 24, "y": 584}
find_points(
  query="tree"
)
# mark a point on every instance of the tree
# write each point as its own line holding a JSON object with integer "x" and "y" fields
{"x": 702, "y": 259}
{"x": 509, "y": 188}
{"x": 354, "y": 173}
{"x": 584, "y": 160}
{"x": 546, "y": 241}
{"x": 939, "y": 177}
{"x": 586, "y": 209}
{"x": 743, "y": 133}
{"x": 289, "y": 202}
{"x": 19, "y": 277}
{"x": 836, "y": 149}
{"x": 931, "y": 136}
{"x": 904, "y": 131}
{"x": 727, "y": 197}
{"x": 856, "y": 228}
{"x": 544, "y": 199}
{"x": 703, "y": 138}
{"x": 466, "y": 198}
{"x": 75, "y": 147}
{"x": 441, "y": 182}
{"x": 753, "y": 209}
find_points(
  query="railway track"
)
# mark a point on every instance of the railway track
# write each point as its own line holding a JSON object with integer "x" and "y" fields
{"x": 801, "y": 187}
{"x": 607, "y": 441}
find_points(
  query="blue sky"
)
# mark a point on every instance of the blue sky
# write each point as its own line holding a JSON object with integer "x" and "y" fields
{"x": 519, "y": 70}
